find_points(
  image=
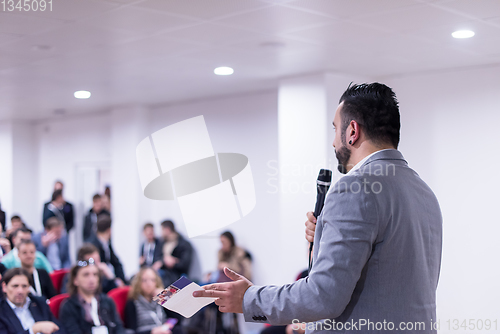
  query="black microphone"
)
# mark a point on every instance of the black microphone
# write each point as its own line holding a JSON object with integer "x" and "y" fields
{"x": 322, "y": 185}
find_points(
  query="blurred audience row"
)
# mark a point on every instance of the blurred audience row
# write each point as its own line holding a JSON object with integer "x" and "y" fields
{"x": 43, "y": 292}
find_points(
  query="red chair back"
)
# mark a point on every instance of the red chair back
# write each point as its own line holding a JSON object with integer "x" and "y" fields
{"x": 120, "y": 295}
{"x": 57, "y": 277}
{"x": 55, "y": 303}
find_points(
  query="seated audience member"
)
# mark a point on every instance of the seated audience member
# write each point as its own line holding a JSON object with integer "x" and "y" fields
{"x": 2, "y": 271}
{"x": 177, "y": 253}
{"x": 89, "y": 251}
{"x": 59, "y": 208}
{"x": 15, "y": 224}
{"x": 53, "y": 243}
{"x": 151, "y": 249}
{"x": 5, "y": 245}
{"x": 41, "y": 284}
{"x": 142, "y": 313}
{"x": 90, "y": 222}
{"x": 233, "y": 257}
{"x": 102, "y": 240}
{"x": 87, "y": 310}
{"x": 11, "y": 260}
{"x": 20, "y": 313}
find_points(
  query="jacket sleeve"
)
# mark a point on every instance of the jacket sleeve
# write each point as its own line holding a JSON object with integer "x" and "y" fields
{"x": 349, "y": 229}
{"x": 115, "y": 317}
{"x": 115, "y": 262}
{"x": 50, "y": 291}
{"x": 130, "y": 315}
{"x": 37, "y": 239}
{"x": 87, "y": 227}
{"x": 185, "y": 256}
{"x": 70, "y": 318}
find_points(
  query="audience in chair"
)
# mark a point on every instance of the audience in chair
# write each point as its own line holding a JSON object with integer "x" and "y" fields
{"x": 150, "y": 253}
{"x": 21, "y": 313}
{"x": 11, "y": 260}
{"x": 102, "y": 240}
{"x": 142, "y": 313}
{"x": 177, "y": 254}
{"x": 59, "y": 208}
{"x": 90, "y": 221}
{"x": 86, "y": 252}
{"x": 41, "y": 284}
{"x": 87, "y": 310}
{"x": 53, "y": 243}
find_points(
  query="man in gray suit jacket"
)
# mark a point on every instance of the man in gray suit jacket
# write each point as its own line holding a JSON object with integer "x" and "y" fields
{"x": 377, "y": 243}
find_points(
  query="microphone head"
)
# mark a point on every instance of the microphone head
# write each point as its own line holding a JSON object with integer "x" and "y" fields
{"x": 324, "y": 177}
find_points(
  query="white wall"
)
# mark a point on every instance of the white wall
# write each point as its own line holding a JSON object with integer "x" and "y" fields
{"x": 450, "y": 136}
{"x": 245, "y": 124}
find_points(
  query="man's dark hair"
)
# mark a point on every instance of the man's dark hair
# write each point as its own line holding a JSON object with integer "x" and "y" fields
{"x": 148, "y": 225}
{"x": 96, "y": 197}
{"x": 22, "y": 229}
{"x": 53, "y": 222}
{"x": 86, "y": 249}
{"x": 11, "y": 273}
{"x": 56, "y": 194}
{"x": 103, "y": 223}
{"x": 168, "y": 224}
{"x": 375, "y": 108}
{"x": 15, "y": 217}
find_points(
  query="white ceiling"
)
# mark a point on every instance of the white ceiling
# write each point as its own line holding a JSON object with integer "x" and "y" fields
{"x": 164, "y": 51}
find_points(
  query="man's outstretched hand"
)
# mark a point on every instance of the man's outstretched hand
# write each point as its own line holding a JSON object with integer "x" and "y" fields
{"x": 229, "y": 295}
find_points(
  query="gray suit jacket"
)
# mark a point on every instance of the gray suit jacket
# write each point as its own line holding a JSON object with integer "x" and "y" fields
{"x": 377, "y": 255}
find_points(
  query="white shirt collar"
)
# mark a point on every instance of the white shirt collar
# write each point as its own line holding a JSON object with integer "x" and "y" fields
{"x": 359, "y": 164}
{"x": 22, "y": 308}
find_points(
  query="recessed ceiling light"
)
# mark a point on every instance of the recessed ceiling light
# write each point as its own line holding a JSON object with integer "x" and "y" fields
{"x": 223, "y": 70}
{"x": 82, "y": 94}
{"x": 463, "y": 34}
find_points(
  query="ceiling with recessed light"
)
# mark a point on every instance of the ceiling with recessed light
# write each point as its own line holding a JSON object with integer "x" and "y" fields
{"x": 165, "y": 51}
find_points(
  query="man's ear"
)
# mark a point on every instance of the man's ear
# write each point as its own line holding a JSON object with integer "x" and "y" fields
{"x": 353, "y": 133}
{"x": 3, "y": 285}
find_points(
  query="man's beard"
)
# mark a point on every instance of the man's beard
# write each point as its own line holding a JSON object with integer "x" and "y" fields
{"x": 343, "y": 155}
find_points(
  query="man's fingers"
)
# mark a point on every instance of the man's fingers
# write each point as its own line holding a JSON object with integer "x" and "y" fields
{"x": 310, "y": 217}
{"x": 209, "y": 293}
{"x": 215, "y": 286}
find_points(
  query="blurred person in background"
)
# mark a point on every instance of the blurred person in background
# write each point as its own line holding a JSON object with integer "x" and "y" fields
{"x": 150, "y": 252}
{"x": 59, "y": 207}
{"x": 41, "y": 284}
{"x": 2, "y": 218}
{"x": 53, "y": 243}
{"x": 21, "y": 312}
{"x": 85, "y": 253}
{"x": 102, "y": 240}
{"x": 234, "y": 257}
{"x": 5, "y": 245}
{"x": 15, "y": 224}
{"x": 11, "y": 260}
{"x": 142, "y": 313}
{"x": 87, "y": 310}
{"x": 106, "y": 202}
{"x": 90, "y": 221}
{"x": 177, "y": 254}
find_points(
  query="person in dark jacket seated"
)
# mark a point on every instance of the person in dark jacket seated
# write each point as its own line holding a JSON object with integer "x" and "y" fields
{"x": 87, "y": 311}
{"x": 41, "y": 283}
{"x": 21, "y": 312}
{"x": 177, "y": 254}
{"x": 102, "y": 240}
{"x": 142, "y": 313}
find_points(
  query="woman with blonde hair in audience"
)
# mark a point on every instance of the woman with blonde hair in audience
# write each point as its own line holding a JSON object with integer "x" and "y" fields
{"x": 142, "y": 313}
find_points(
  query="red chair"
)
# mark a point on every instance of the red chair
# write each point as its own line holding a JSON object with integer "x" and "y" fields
{"x": 55, "y": 303}
{"x": 120, "y": 296}
{"x": 57, "y": 277}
